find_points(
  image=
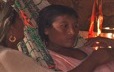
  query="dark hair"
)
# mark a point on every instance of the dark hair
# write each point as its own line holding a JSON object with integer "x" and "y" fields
{"x": 49, "y": 13}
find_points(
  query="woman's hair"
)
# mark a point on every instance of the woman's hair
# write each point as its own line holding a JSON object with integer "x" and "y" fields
{"x": 49, "y": 13}
{"x": 7, "y": 18}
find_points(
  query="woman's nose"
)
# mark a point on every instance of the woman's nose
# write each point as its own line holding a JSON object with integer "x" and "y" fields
{"x": 71, "y": 31}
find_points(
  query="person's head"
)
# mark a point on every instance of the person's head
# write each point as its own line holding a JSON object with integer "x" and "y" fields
{"x": 57, "y": 24}
{"x": 10, "y": 24}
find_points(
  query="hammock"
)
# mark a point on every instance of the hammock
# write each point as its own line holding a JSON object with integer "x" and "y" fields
{"x": 32, "y": 45}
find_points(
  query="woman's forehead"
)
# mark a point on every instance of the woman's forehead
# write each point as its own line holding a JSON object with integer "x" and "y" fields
{"x": 66, "y": 18}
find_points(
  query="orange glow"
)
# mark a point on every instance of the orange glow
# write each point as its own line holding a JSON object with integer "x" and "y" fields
{"x": 98, "y": 18}
{"x": 107, "y": 35}
{"x": 91, "y": 28}
{"x": 99, "y": 25}
{"x": 96, "y": 48}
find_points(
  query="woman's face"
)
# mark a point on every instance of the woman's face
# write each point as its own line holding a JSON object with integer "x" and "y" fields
{"x": 63, "y": 32}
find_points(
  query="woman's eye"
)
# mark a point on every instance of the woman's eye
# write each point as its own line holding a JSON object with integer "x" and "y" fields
{"x": 64, "y": 25}
{"x": 76, "y": 26}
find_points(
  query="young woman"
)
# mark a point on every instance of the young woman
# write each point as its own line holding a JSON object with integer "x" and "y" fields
{"x": 58, "y": 28}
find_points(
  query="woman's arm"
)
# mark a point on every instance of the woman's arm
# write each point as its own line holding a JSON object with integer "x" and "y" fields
{"x": 87, "y": 66}
{"x": 97, "y": 58}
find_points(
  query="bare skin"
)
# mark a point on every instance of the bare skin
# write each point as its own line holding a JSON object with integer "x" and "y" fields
{"x": 62, "y": 35}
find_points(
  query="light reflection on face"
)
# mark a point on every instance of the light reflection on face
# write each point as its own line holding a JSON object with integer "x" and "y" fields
{"x": 63, "y": 31}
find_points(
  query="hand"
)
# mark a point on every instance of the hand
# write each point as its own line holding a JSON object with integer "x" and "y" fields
{"x": 105, "y": 42}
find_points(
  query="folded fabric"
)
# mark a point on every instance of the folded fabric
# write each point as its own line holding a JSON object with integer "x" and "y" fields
{"x": 15, "y": 61}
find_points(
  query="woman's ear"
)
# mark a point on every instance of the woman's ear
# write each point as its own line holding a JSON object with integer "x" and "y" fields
{"x": 46, "y": 31}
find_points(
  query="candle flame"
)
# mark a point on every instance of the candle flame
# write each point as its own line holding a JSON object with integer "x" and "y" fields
{"x": 99, "y": 24}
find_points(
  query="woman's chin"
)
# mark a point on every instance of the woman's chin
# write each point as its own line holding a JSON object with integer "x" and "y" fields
{"x": 69, "y": 45}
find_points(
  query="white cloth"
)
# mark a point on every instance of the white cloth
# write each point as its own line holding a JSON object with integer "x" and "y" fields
{"x": 15, "y": 61}
{"x": 64, "y": 63}
{"x": 67, "y": 63}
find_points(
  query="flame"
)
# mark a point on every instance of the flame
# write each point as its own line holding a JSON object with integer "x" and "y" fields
{"x": 99, "y": 19}
{"x": 99, "y": 25}
{"x": 91, "y": 29}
